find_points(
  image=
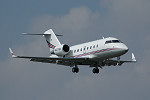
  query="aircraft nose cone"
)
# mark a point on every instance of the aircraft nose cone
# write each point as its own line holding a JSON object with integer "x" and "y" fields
{"x": 125, "y": 48}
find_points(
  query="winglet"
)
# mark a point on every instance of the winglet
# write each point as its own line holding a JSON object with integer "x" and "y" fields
{"x": 11, "y": 52}
{"x": 133, "y": 58}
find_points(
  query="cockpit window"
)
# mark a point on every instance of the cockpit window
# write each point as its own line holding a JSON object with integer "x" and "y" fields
{"x": 113, "y": 41}
{"x": 108, "y": 42}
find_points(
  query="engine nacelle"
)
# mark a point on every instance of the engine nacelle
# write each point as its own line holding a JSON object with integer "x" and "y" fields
{"x": 61, "y": 50}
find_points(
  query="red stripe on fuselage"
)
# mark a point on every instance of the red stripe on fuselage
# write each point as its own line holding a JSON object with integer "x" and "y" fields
{"x": 94, "y": 52}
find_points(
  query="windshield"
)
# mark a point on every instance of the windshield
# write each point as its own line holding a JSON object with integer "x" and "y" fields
{"x": 113, "y": 41}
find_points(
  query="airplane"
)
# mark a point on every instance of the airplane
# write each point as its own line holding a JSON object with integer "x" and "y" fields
{"x": 96, "y": 54}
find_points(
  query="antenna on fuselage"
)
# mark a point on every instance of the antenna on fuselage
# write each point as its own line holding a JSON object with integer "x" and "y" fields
{"x": 103, "y": 37}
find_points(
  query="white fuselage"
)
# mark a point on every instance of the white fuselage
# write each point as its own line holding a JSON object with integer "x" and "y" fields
{"x": 99, "y": 49}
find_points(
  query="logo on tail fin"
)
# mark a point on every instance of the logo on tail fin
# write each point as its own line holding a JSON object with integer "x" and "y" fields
{"x": 50, "y": 45}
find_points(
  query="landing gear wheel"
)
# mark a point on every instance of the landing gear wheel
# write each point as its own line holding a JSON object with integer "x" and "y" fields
{"x": 75, "y": 70}
{"x": 95, "y": 70}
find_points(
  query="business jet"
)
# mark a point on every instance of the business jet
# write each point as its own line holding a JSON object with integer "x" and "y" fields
{"x": 96, "y": 54}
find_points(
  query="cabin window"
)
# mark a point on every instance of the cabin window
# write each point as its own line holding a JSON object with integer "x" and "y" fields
{"x": 94, "y": 46}
{"x": 97, "y": 45}
{"x": 81, "y": 49}
{"x": 84, "y": 48}
{"x": 74, "y": 51}
{"x": 87, "y": 48}
{"x": 90, "y": 47}
{"x": 78, "y": 50}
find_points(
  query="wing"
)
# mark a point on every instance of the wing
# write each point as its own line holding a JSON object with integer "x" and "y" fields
{"x": 68, "y": 61}
{"x": 118, "y": 62}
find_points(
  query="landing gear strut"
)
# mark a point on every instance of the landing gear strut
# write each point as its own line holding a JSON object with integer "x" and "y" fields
{"x": 95, "y": 70}
{"x": 75, "y": 69}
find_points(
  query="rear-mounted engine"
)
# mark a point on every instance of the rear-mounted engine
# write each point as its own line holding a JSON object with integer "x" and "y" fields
{"x": 61, "y": 50}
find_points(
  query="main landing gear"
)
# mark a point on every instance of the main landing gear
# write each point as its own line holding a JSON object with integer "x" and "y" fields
{"x": 75, "y": 69}
{"x": 95, "y": 70}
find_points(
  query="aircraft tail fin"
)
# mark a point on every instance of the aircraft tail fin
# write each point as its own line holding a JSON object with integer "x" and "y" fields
{"x": 51, "y": 39}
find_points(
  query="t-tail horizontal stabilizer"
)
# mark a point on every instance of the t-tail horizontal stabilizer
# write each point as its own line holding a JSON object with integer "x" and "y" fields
{"x": 39, "y": 34}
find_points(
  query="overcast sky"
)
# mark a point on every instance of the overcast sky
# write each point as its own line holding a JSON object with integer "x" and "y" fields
{"x": 79, "y": 21}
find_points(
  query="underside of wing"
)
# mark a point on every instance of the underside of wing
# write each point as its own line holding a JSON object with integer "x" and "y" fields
{"x": 118, "y": 62}
{"x": 68, "y": 61}
{"x": 58, "y": 60}
{"x": 115, "y": 62}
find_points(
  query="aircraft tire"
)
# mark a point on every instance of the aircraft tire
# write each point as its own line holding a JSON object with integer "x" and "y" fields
{"x": 75, "y": 70}
{"x": 95, "y": 70}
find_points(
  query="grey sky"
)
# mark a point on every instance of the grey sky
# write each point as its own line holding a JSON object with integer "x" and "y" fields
{"x": 79, "y": 22}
